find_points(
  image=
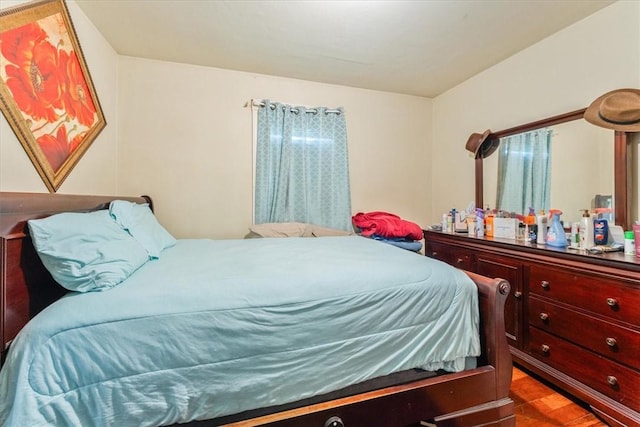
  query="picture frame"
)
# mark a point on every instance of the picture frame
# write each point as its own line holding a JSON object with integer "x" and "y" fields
{"x": 46, "y": 91}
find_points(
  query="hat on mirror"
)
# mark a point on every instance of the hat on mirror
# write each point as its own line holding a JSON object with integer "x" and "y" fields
{"x": 481, "y": 145}
{"x": 617, "y": 110}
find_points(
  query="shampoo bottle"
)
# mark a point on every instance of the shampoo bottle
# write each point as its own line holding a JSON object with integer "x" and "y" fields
{"x": 586, "y": 231}
{"x": 541, "y": 223}
{"x": 555, "y": 235}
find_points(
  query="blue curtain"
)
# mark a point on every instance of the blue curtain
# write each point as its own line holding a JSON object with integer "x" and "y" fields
{"x": 302, "y": 172}
{"x": 524, "y": 171}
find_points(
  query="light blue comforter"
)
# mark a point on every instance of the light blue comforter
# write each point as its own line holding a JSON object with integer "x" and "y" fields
{"x": 216, "y": 327}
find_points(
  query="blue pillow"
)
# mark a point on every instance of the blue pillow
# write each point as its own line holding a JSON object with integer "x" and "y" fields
{"x": 86, "y": 251}
{"x": 140, "y": 222}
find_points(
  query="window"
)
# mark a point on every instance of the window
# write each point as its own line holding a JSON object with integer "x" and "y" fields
{"x": 302, "y": 172}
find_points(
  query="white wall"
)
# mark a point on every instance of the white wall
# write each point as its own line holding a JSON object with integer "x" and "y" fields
{"x": 562, "y": 73}
{"x": 185, "y": 139}
{"x": 96, "y": 172}
{"x": 181, "y": 133}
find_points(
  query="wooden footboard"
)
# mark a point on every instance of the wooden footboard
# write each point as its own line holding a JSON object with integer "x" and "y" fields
{"x": 473, "y": 397}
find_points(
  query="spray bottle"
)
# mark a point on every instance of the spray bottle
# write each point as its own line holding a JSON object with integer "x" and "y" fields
{"x": 555, "y": 235}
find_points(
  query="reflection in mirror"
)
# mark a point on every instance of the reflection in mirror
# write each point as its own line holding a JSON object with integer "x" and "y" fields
{"x": 579, "y": 170}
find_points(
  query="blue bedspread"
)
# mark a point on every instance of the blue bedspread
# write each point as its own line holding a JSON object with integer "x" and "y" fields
{"x": 216, "y": 327}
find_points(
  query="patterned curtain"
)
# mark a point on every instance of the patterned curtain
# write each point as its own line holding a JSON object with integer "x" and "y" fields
{"x": 302, "y": 172}
{"x": 524, "y": 171}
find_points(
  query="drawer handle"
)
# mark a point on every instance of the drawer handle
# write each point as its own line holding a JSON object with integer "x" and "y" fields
{"x": 545, "y": 284}
{"x": 611, "y": 342}
{"x": 612, "y": 302}
{"x": 613, "y": 381}
{"x": 544, "y": 317}
{"x": 517, "y": 294}
{"x": 334, "y": 422}
{"x": 545, "y": 348}
{"x": 434, "y": 254}
{"x": 459, "y": 261}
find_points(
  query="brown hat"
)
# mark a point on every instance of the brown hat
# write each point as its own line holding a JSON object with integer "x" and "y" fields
{"x": 618, "y": 110}
{"x": 480, "y": 146}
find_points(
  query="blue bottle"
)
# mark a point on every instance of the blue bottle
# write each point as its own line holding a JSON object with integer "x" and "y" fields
{"x": 555, "y": 234}
{"x": 600, "y": 231}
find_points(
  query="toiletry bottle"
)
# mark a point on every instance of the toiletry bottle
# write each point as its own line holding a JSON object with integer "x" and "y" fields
{"x": 529, "y": 222}
{"x": 600, "y": 231}
{"x": 449, "y": 223}
{"x": 555, "y": 235}
{"x": 629, "y": 244}
{"x": 489, "y": 225}
{"x": 479, "y": 222}
{"x": 541, "y": 223}
{"x": 586, "y": 231}
{"x": 575, "y": 235}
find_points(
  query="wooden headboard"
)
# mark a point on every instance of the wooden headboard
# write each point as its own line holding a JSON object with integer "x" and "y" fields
{"x": 26, "y": 287}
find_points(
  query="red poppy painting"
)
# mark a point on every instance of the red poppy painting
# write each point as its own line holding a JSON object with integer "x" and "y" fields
{"x": 46, "y": 92}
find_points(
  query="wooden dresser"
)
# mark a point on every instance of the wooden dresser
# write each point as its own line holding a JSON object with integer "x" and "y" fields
{"x": 572, "y": 318}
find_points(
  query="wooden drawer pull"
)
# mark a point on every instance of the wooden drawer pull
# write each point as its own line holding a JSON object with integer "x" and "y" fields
{"x": 517, "y": 294}
{"x": 545, "y": 348}
{"x": 613, "y": 381}
{"x": 544, "y": 317}
{"x": 612, "y": 302}
{"x": 545, "y": 284}
{"x": 611, "y": 342}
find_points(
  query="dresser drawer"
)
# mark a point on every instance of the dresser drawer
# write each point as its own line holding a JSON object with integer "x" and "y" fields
{"x": 602, "y": 295}
{"x": 609, "y": 378}
{"x": 453, "y": 255}
{"x": 605, "y": 338}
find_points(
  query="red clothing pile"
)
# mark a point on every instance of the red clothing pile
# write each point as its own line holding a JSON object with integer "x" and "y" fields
{"x": 386, "y": 225}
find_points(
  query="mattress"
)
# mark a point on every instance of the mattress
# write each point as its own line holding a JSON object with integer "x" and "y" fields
{"x": 217, "y": 327}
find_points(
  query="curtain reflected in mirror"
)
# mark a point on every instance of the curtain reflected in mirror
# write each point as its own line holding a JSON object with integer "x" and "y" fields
{"x": 570, "y": 167}
{"x": 524, "y": 172}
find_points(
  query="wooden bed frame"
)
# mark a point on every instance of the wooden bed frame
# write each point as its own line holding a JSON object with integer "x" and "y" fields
{"x": 478, "y": 396}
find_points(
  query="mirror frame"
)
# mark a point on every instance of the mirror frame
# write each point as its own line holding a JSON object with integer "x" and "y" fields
{"x": 621, "y": 166}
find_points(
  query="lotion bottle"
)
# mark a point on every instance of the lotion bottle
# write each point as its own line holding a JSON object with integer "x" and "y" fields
{"x": 541, "y": 223}
{"x": 586, "y": 231}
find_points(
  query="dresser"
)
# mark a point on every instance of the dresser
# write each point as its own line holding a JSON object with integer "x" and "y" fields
{"x": 573, "y": 318}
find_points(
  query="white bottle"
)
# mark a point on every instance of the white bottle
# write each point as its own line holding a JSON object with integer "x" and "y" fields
{"x": 586, "y": 231}
{"x": 541, "y": 222}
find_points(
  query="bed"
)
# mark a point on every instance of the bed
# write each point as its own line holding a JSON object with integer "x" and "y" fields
{"x": 277, "y": 337}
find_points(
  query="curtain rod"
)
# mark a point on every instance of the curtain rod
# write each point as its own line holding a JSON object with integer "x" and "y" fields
{"x": 296, "y": 110}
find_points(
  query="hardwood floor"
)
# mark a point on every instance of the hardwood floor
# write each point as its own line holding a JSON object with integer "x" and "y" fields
{"x": 538, "y": 404}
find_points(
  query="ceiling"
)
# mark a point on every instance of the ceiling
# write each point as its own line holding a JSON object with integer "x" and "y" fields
{"x": 412, "y": 47}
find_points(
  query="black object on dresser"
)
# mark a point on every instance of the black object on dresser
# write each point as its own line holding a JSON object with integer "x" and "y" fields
{"x": 572, "y": 318}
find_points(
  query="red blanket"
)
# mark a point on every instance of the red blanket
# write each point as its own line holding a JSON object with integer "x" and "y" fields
{"x": 386, "y": 225}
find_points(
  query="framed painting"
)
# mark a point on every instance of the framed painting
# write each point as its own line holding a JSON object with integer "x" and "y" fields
{"x": 46, "y": 92}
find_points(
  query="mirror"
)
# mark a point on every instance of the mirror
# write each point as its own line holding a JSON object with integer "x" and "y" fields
{"x": 585, "y": 161}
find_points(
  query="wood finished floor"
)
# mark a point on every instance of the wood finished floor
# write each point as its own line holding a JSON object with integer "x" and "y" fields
{"x": 538, "y": 404}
